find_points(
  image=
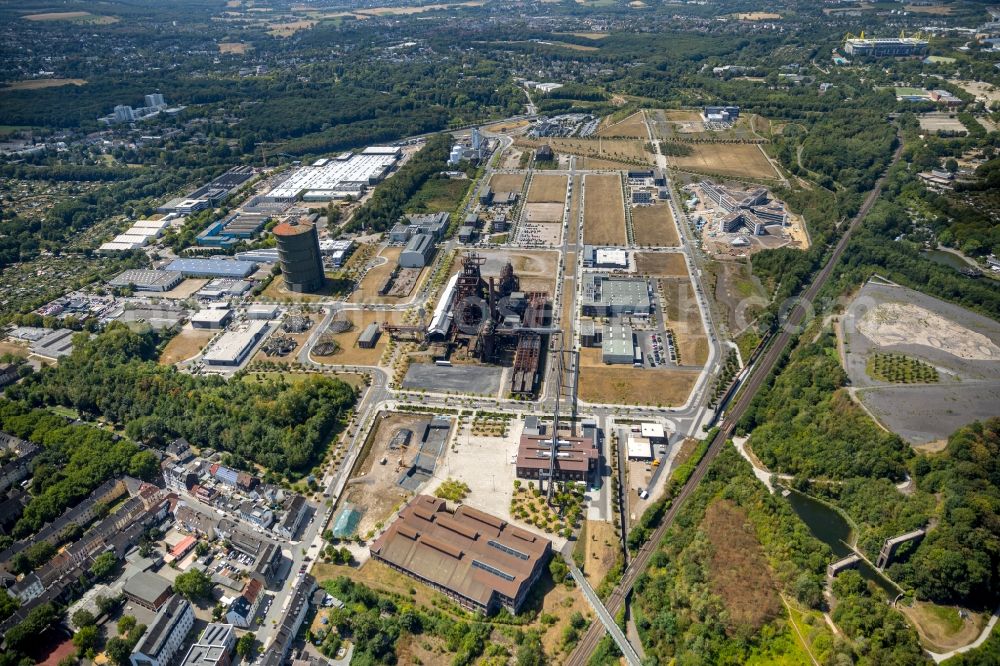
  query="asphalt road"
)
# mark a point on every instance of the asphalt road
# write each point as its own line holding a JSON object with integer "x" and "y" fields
{"x": 757, "y": 377}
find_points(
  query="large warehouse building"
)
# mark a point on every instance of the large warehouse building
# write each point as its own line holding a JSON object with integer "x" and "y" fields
{"x": 618, "y": 344}
{"x": 418, "y": 251}
{"x": 607, "y": 296}
{"x": 328, "y": 179}
{"x": 299, "y": 253}
{"x": 234, "y": 346}
{"x": 576, "y": 457}
{"x": 877, "y": 47}
{"x": 212, "y": 268}
{"x": 475, "y": 558}
{"x": 141, "y": 279}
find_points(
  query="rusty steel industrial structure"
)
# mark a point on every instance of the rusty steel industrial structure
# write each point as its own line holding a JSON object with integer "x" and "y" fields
{"x": 492, "y": 319}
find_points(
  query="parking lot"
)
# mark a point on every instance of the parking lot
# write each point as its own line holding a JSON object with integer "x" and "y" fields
{"x": 474, "y": 379}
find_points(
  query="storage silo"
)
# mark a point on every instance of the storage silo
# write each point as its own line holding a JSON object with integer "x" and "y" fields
{"x": 299, "y": 254}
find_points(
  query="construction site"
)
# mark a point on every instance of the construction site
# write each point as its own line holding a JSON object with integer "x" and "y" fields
{"x": 490, "y": 321}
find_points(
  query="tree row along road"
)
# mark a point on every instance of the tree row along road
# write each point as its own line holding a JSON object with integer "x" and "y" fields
{"x": 588, "y": 643}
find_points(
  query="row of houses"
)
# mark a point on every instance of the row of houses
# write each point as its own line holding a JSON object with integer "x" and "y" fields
{"x": 235, "y": 492}
{"x": 76, "y": 516}
{"x": 68, "y": 573}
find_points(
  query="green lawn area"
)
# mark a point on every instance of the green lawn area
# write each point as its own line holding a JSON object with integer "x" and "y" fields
{"x": 438, "y": 195}
{"x": 947, "y": 615}
{"x": 905, "y": 90}
{"x": 297, "y": 377}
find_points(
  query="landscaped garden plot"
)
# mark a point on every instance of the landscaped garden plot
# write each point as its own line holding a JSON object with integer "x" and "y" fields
{"x": 900, "y": 369}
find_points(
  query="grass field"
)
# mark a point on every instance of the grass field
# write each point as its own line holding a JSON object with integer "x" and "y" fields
{"x": 627, "y": 150}
{"x": 507, "y": 182}
{"x": 353, "y": 378}
{"x": 633, "y": 127}
{"x": 661, "y": 264}
{"x": 38, "y": 84}
{"x": 590, "y": 35}
{"x": 405, "y": 11}
{"x": 438, "y": 195}
{"x": 14, "y": 349}
{"x": 349, "y": 352}
{"x": 233, "y": 47}
{"x": 290, "y": 28}
{"x": 601, "y": 547}
{"x": 624, "y": 385}
{"x": 185, "y": 344}
{"x": 277, "y": 291}
{"x": 654, "y": 225}
{"x": 603, "y": 211}
{"x": 729, "y": 159}
{"x": 684, "y": 318}
{"x": 738, "y": 569}
{"x": 547, "y": 189}
{"x": 79, "y": 17}
{"x": 681, "y": 115}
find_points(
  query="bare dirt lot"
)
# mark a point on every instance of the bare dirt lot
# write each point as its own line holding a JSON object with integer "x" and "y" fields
{"x": 603, "y": 211}
{"x": 373, "y": 280}
{"x": 547, "y": 189}
{"x": 654, "y": 225}
{"x": 185, "y": 345}
{"x": 941, "y": 122}
{"x": 540, "y": 233}
{"x": 507, "y": 182}
{"x": 625, "y": 385}
{"x": 728, "y": 159}
{"x": 544, "y": 212}
{"x": 508, "y": 126}
{"x": 373, "y": 489}
{"x": 185, "y": 289}
{"x": 233, "y": 47}
{"x": 984, "y": 92}
{"x": 963, "y": 347}
{"x": 661, "y": 264}
{"x": 633, "y": 127}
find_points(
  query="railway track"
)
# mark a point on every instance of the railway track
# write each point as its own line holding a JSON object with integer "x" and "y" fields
{"x": 758, "y": 375}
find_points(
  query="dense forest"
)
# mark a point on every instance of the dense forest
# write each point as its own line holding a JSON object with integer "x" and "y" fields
{"x": 114, "y": 377}
{"x": 804, "y": 425}
{"x": 76, "y": 459}
{"x": 959, "y": 561}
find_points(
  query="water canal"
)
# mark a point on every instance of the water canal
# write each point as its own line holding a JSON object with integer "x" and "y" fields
{"x": 830, "y": 527}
